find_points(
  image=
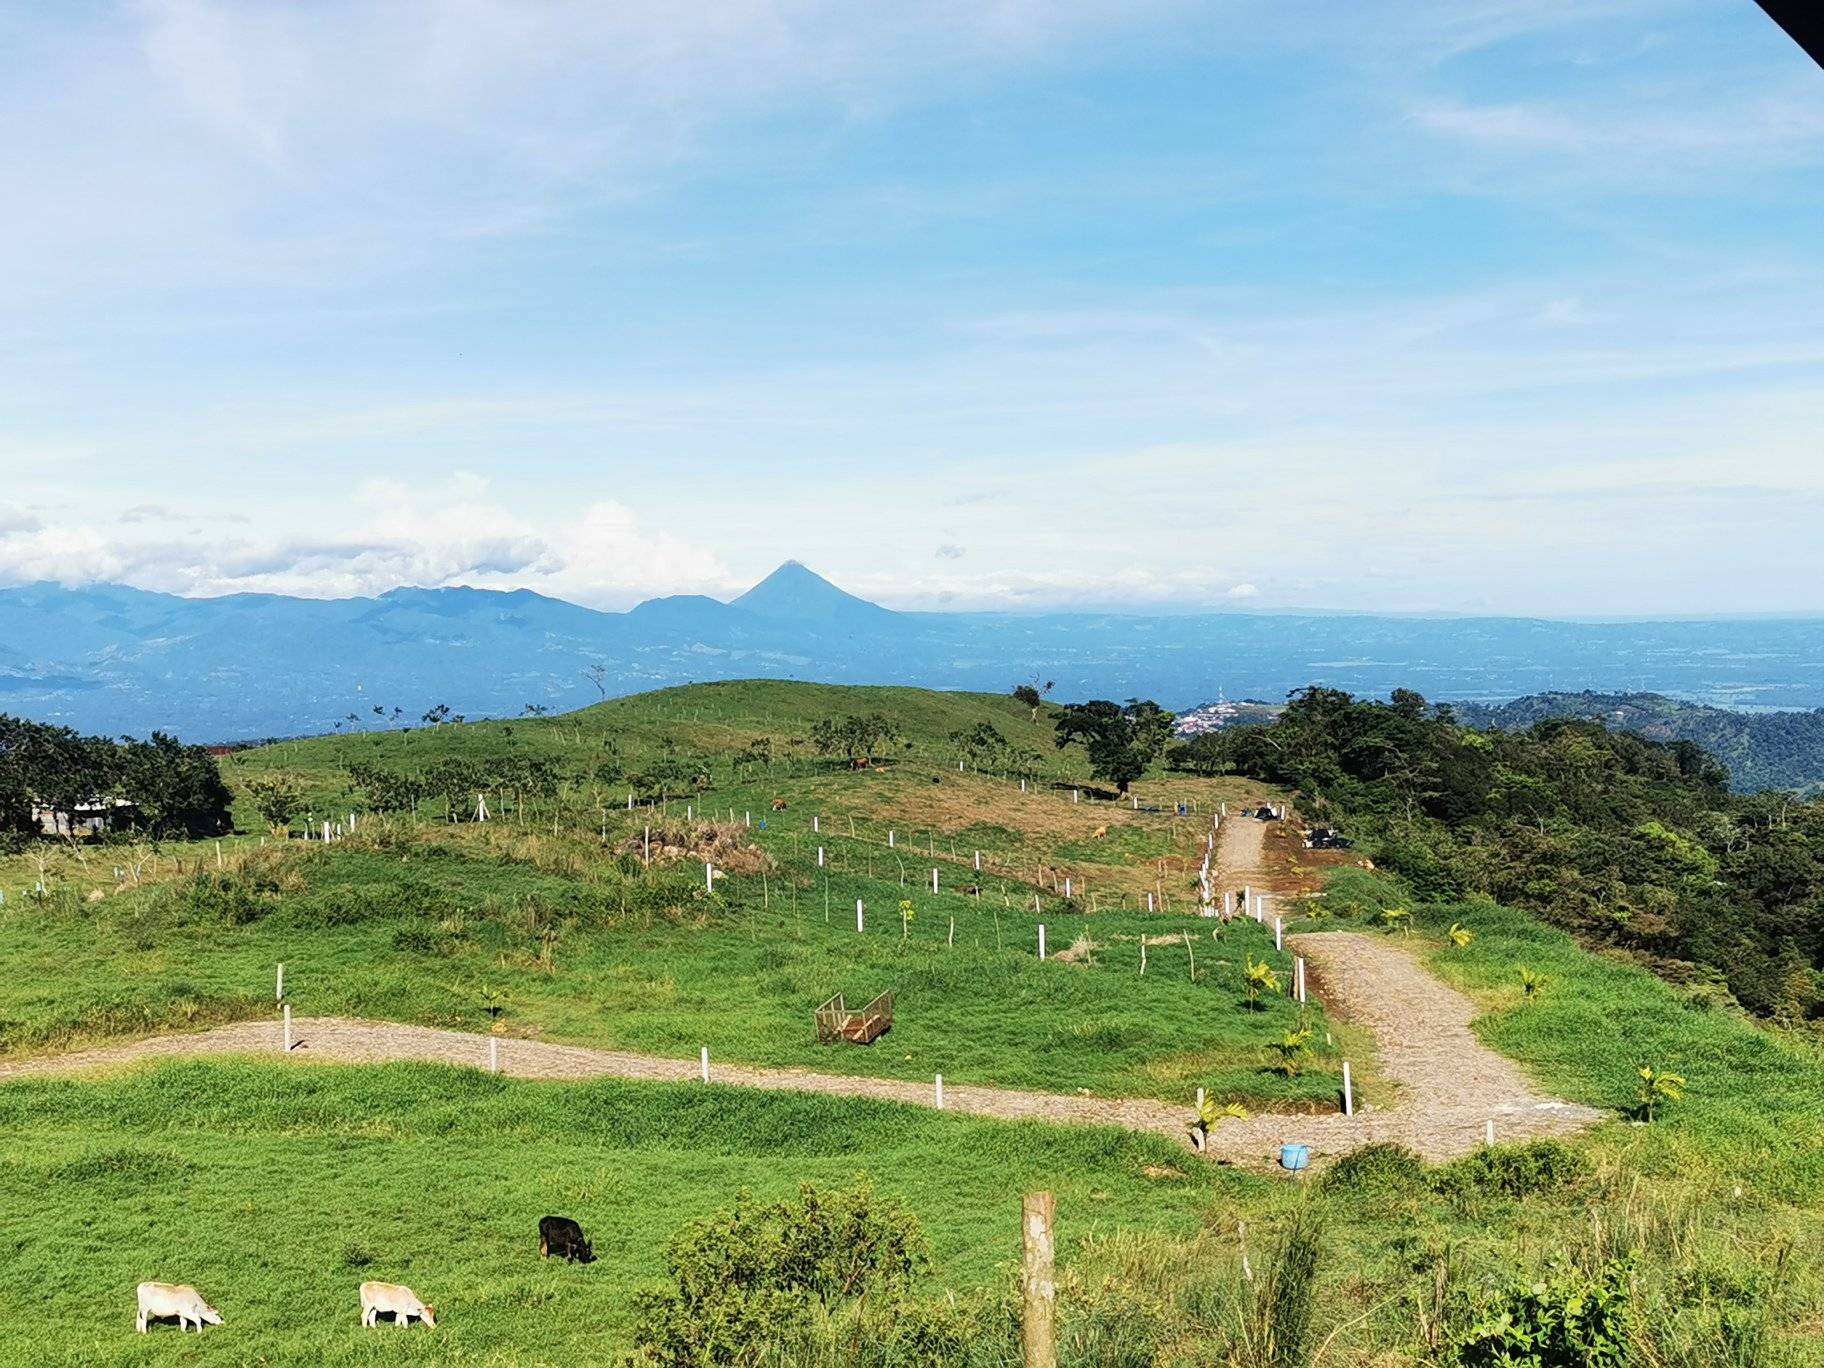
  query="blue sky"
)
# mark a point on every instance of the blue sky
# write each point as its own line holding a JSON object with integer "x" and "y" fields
{"x": 1465, "y": 305}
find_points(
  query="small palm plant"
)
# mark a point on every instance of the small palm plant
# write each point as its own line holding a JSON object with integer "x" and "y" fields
{"x": 1656, "y": 1088}
{"x": 1396, "y": 919}
{"x": 905, "y": 917}
{"x": 1208, "y": 1114}
{"x": 493, "y": 1002}
{"x": 1291, "y": 1048}
{"x": 1260, "y": 978}
{"x": 1460, "y": 935}
{"x": 1532, "y": 984}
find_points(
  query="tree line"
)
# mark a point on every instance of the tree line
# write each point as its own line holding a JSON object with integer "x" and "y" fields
{"x": 157, "y": 787}
{"x": 1631, "y": 843}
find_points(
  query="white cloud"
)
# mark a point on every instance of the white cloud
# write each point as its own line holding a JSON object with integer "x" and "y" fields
{"x": 395, "y": 534}
{"x": 1242, "y": 591}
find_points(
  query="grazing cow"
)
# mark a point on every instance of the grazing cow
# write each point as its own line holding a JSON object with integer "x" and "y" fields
{"x": 563, "y": 1237}
{"x": 778, "y": 805}
{"x": 162, "y": 1301}
{"x": 378, "y": 1299}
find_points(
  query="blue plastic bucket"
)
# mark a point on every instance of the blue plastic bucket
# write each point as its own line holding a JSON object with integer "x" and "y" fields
{"x": 1294, "y": 1157}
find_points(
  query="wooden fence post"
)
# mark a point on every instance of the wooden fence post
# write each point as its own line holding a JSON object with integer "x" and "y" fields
{"x": 1038, "y": 1336}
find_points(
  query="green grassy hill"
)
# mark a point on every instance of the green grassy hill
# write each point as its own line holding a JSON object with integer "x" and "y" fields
{"x": 277, "y": 1187}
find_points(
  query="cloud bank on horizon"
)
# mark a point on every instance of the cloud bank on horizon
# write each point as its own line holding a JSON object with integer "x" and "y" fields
{"x": 1506, "y": 306}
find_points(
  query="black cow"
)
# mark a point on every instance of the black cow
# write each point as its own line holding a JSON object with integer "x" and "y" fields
{"x": 563, "y": 1237}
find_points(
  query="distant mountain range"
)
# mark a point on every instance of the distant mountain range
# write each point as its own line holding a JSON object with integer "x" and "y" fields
{"x": 1767, "y": 750}
{"x": 112, "y": 659}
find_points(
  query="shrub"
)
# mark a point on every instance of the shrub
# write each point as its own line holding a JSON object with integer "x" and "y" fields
{"x": 1570, "y": 1320}
{"x": 1539, "y": 1166}
{"x": 1376, "y": 1169}
{"x": 763, "y": 1275}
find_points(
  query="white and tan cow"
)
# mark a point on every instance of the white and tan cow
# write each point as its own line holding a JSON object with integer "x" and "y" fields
{"x": 378, "y": 1298}
{"x": 162, "y": 1301}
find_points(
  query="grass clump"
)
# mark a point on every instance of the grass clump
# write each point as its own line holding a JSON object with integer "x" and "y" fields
{"x": 1517, "y": 1171}
{"x": 1376, "y": 1170}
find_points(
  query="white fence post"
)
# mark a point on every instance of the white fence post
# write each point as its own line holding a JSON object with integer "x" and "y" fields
{"x": 820, "y": 857}
{"x": 287, "y": 1028}
{"x": 493, "y": 1054}
{"x": 934, "y": 881}
{"x": 1348, "y": 1092}
{"x": 1279, "y": 934}
{"x": 859, "y": 925}
{"x": 709, "y": 877}
{"x": 1041, "y": 940}
{"x": 706, "y": 1063}
{"x": 279, "y": 988}
{"x": 940, "y": 1093}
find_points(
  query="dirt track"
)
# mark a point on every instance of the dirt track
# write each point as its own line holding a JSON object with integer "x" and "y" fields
{"x": 1450, "y": 1083}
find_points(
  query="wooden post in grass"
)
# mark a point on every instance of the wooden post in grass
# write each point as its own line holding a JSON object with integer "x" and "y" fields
{"x": 494, "y": 1054}
{"x": 287, "y": 1039}
{"x": 1143, "y": 952}
{"x": 816, "y": 823}
{"x": 820, "y": 857}
{"x": 1348, "y": 1092}
{"x": 1041, "y": 940}
{"x": 940, "y": 1092}
{"x": 1038, "y": 1293}
{"x": 859, "y": 924}
{"x": 889, "y": 840}
{"x": 1298, "y": 978}
{"x": 934, "y": 881}
{"x": 279, "y": 987}
{"x": 705, "y": 1063}
{"x": 709, "y": 877}
{"x": 1279, "y": 934}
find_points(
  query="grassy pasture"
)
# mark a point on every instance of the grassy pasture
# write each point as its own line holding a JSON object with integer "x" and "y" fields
{"x": 277, "y": 1189}
{"x": 413, "y": 917}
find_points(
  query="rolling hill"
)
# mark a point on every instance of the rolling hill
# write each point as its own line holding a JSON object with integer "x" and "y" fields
{"x": 1766, "y": 750}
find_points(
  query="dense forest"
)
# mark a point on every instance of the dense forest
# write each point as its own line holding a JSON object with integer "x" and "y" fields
{"x": 1767, "y": 750}
{"x": 1631, "y": 843}
{"x": 157, "y": 787}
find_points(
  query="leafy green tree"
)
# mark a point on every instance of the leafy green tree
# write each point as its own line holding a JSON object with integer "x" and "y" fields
{"x": 278, "y": 798}
{"x": 175, "y": 790}
{"x": 1032, "y": 695}
{"x": 1119, "y": 740}
{"x": 858, "y": 739}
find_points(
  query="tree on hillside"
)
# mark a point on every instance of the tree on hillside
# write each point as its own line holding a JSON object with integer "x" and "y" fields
{"x": 277, "y": 798}
{"x": 856, "y": 738}
{"x": 175, "y": 790}
{"x": 597, "y": 675}
{"x": 1032, "y": 695}
{"x": 1120, "y": 740}
{"x": 981, "y": 747}
{"x": 1204, "y": 754}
